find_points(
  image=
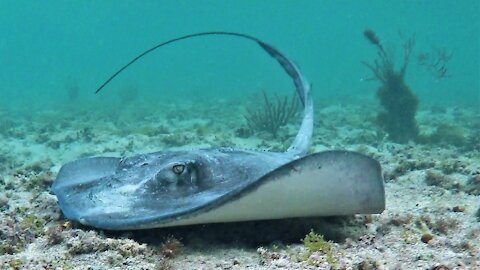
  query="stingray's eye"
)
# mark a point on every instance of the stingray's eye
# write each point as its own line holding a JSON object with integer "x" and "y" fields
{"x": 175, "y": 175}
{"x": 178, "y": 168}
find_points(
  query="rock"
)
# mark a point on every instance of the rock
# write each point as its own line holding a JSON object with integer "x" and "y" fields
{"x": 281, "y": 263}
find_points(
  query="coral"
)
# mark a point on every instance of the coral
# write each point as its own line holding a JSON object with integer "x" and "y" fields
{"x": 398, "y": 101}
{"x": 272, "y": 115}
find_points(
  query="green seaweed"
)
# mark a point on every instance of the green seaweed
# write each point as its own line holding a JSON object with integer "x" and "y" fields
{"x": 33, "y": 224}
{"x": 314, "y": 242}
{"x": 15, "y": 263}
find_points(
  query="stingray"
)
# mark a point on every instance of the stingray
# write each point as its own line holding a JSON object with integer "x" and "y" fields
{"x": 173, "y": 188}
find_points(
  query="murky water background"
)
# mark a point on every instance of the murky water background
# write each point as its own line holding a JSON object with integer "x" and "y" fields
{"x": 55, "y": 52}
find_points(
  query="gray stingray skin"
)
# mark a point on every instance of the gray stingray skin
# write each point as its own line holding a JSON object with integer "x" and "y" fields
{"x": 142, "y": 189}
{"x": 149, "y": 190}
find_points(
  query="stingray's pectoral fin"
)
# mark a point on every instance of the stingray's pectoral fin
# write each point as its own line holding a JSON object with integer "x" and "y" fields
{"x": 75, "y": 177}
{"x": 332, "y": 183}
{"x": 95, "y": 192}
{"x": 84, "y": 170}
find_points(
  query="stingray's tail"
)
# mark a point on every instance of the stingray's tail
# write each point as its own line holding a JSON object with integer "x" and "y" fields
{"x": 302, "y": 141}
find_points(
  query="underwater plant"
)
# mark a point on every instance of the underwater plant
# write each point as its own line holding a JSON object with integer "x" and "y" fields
{"x": 436, "y": 62}
{"x": 171, "y": 247}
{"x": 397, "y": 99}
{"x": 315, "y": 242}
{"x": 272, "y": 115}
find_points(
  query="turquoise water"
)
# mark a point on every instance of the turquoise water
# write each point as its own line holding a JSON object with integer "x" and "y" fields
{"x": 48, "y": 47}
{"x": 206, "y": 93}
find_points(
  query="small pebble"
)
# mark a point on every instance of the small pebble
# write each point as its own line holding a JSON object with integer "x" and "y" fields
{"x": 282, "y": 263}
{"x": 426, "y": 238}
{"x": 458, "y": 209}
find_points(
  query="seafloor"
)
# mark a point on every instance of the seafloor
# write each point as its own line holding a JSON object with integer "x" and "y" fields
{"x": 432, "y": 219}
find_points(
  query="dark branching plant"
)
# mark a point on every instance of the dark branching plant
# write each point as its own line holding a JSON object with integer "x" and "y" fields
{"x": 436, "y": 62}
{"x": 273, "y": 115}
{"x": 399, "y": 103}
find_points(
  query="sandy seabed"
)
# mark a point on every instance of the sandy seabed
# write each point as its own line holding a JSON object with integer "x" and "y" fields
{"x": 432, "y": 218}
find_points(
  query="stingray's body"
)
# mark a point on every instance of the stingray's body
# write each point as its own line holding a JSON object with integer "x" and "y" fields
{"x": 172, "y": 188}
